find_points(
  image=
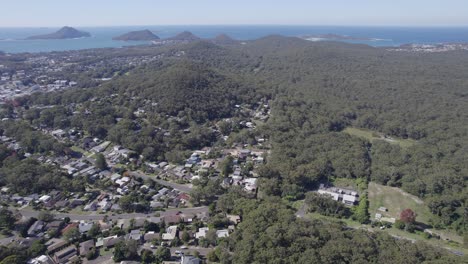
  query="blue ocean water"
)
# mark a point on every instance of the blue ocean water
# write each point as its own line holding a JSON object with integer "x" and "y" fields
{"x": 12, "y": 40}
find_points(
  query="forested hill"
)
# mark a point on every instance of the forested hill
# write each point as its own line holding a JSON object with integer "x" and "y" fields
{"x": 181, "y": 85}
{"x": 318, "y": 89}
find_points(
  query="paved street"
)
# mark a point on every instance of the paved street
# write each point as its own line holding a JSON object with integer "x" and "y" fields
{"x": 91, "y": 217}
{"x": 188, "y": 251}
{"x": 187, "y": 188}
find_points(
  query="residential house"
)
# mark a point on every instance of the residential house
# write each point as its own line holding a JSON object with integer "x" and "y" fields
{"x": 135, "y": 235}
{"x": 171, "y": 233}
{"x": 86, "y": 247}
{"x": 190, "y": 260}
{"x": 347, "y": 197}
{"x": 55, "y": 245}
{"x": 202, "y": 232}
{"x": 69, "y": 226}
{"x": 108, "y": 242}
{"x": 222, "y": 233}
{"x": 66, "y": 255}
{"x": 172, "y": 218}
{"x": 234, "y": 219}
{"x": 84, "y": 227}
{"x": 150, "y": 236}
{"x": 92, "y": 206}
{"x": 36, "y": 228}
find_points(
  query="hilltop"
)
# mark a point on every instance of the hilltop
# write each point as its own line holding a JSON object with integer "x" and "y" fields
{"x": 63, "y": 33}
{"x": 224, "y": 39}
{"x": 185, "y": 36}
{"x": 141, "y": 35}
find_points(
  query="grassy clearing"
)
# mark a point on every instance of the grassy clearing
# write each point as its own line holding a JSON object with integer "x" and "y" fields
{"x": 372, "y": 136}
{"x": 348, "y": 222}
{"x": 78, "y": 149}
{"x": 395, "y": 200}
{"x": 297, "y": 204}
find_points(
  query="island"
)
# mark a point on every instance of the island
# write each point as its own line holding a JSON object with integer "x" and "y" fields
{"x": 63, "y": 33}
{"x": 141, "y": 35}
{"x": 184, "y": 36}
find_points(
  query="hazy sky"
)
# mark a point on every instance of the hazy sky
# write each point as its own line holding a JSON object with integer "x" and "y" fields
{"x": 40, "y": 13}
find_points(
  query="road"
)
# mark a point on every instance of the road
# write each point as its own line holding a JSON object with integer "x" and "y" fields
{"x": 7, "y": 240}
{"x": 302, "y": 211}
{"x": 95, "y": 217}
{"x": 186, "y": 188}
{"x": 188, "y": 251}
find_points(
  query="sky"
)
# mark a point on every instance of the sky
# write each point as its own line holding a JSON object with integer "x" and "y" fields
{"x": 85, "y": 13}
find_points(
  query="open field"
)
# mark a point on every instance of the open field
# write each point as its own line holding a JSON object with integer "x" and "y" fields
{"x": 372, "y": 136}
{"x": 395, "y": 200}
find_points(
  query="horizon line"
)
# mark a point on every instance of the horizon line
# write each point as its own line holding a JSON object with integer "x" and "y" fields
{"x": 234, "y": 25}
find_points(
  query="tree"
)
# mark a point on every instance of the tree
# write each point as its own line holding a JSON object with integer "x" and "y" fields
{"x": 7, "y": 220}
{"x": 211, "y": 237}
{"x": 94, "y": 231}
{"x": 162, "y": 254}
{"x": 225, "y": 203}
{"x": 176, "y": 242}
{"x": 37, "y": 248}
{"x": 399, "y": 224}
{"x": 361, "y": 212}
{"x": 72, "y": 234}
{"x": 91, "y": 254}
{"x": 126, "y": 203}
{"x": 126, "y": 250}
{"x": 119, "y": 251}
{"x": 45, "y": 216}
{"x": 225, "y": 127}
{"x": 100, "y": 161}
{"x": 212, "y": 256}
{"x": 225, "y": 166}
{"x": 147, "y": 256}
{"x": 13, "y": 259}
{"x": 407, "y": 216}
{"x": 185, "y": 237}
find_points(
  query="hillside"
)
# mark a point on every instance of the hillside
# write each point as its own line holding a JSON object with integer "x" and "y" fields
{"x": 317, "y": 91}
{"x": 63, "y": 33}
{"x": 142, "y": 35}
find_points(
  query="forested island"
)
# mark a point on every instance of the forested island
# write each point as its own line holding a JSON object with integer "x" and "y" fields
{"x": 63, "y": 33}
{"x": 184, "y": 36}
{"x": 253, "y": 142}
{"x": 142, "y": 35}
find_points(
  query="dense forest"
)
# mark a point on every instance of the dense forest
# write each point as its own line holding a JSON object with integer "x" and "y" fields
{"x": 318, "y": 90}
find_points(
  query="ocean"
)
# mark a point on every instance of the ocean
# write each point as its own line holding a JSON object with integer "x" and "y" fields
{"x": 12, "y": 40}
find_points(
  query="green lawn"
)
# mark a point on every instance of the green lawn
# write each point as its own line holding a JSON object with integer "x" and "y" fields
{"x": 78, "y": 149}
{"x": 372, "y": 136}
{"x": 348, "y": 222}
